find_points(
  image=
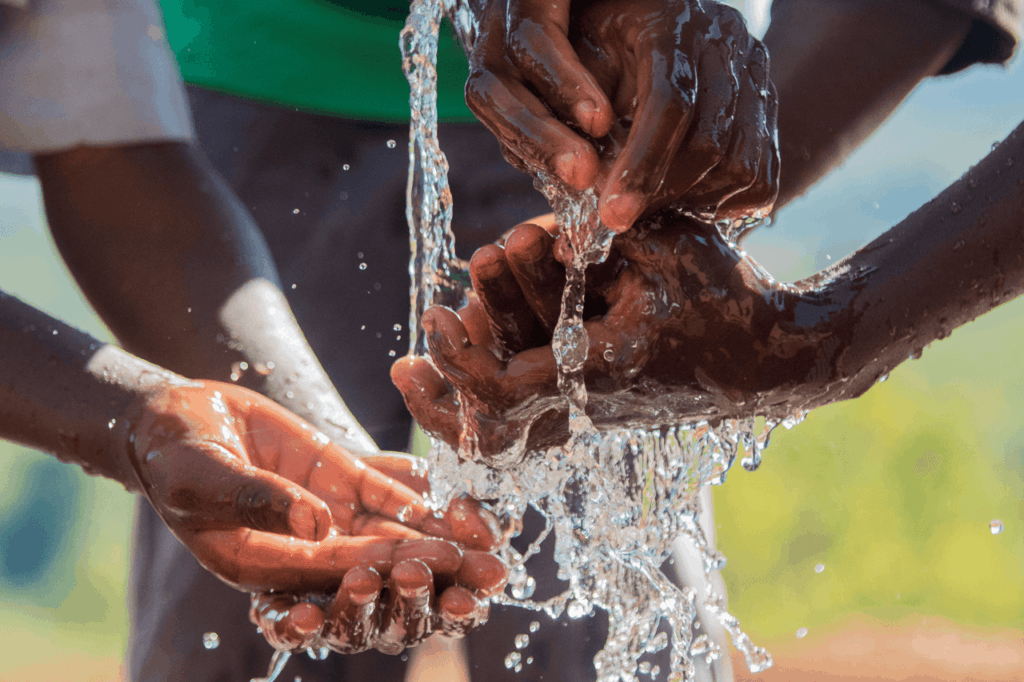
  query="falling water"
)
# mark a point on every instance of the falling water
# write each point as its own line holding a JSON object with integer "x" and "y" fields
{"x": 615, "y": 501}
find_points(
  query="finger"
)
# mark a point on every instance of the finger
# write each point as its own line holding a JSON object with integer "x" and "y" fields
{"x": 208, "y": 486}
{"x": 409, "y": 470}
{"x": 406, "y": 617}
{"x": 375, "y": 526}
{"x": 511, "y": 318}
{"x": 353, "y": 620}
{"x": 460, "y": 611}
{"x": 666, "y": 91}
{"x": 759, "y": 198}
{"x": 538, "y": 47}
{"x": 478, "y": 325}
{"x": 482, "y": 572}
{"x": 469, "y": 524}
{"x": 526, "y": 128}
{"x": 428, "y": 398}
{"x": 473, "y": 370}
{"x": 740, "y": 167}
{"x": 258, "y": 562}
{"x": 530, "y": 253}
{"x": 286, "y": 624}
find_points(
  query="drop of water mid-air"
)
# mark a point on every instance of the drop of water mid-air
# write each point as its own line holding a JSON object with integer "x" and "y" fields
{"x": 995, "y": 527}
{"x": 818, "y": 568}
{"x": 801, "y": 633}
{"x": 211, "y": 640}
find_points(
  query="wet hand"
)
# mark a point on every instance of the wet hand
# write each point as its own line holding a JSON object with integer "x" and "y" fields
{"x": 694, "y": 108}
{"x": 677, "y": 321}
{"x": 429, "y": 589}
{"x": 267, "y": 503}
{"x": 684, "y": 112}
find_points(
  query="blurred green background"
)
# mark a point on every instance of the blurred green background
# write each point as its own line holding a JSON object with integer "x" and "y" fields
{"x": 893, "y": 492}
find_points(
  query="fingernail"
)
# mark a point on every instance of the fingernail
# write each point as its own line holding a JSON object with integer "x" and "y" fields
{"x": 305, "y": 619}
{"x": 302, "y": 521}
{"x": 584, "y": 112}
{"x": 567, "y": 168}
{"x": 620, "y": 211}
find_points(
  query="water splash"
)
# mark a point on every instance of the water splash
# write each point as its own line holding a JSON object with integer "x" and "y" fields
{"x": 615, "y": 501}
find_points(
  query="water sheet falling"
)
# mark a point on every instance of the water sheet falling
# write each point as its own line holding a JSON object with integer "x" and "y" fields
{"x": 616, "y": 501}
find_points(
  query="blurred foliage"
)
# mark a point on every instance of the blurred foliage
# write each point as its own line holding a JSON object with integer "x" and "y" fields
{"x": 893, "y": 493}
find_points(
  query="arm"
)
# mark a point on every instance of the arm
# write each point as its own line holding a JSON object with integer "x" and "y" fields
{"x": 180, "y": 273}
{"x": 683, "y": 327}
{"x": 842, "y": 68}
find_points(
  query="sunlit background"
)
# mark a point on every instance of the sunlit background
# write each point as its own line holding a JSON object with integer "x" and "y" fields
{"x": 893, "y": 493}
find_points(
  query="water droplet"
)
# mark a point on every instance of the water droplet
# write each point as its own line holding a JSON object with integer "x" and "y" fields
{"x": 318, "y": 653}
{"x": 608, "y": 355}
{"x": 818, "y": 568}
{"x": 753, "y": 462}
{"x": 534, "y": 626}
{"x": 995, "y": 527}
{"x": 954, "y": 208}
{"x": 522, "y": 641}
{"x": 882, "y": 379}
{"x": 294, "y": 285}
{"x": 391, "y": 144}
{"x": 512, "y": 660}
{"x": 289, "y": 395}
{"x": 525, "y": 589}
{"x": 577, "y": 609}
{"x": 362, "y": 266}
{"x": 529, "y": 661}
{"x": 345, "y": 167}
{"x": 111, "y": 423}
{"x": 959, "y": 244}
{"x": 657, "y": 643}
{"x": 295, "y": 211}
{"x": 211, "y": 640}
{"x": 801, "y": 633}
{"x": 391, "y": 353}
{"x": 519, "y": 668}
{"x": 397, "y": 328}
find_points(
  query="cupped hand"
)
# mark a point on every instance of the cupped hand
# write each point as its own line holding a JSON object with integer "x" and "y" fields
{"x": 268, "y": 504}
{"x": 429, "y": 589}
{"x": 653, "y": 103}
{"x": 680, "y": 325}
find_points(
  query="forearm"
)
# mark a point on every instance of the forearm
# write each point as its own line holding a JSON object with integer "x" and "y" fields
{"x": 950, "y": 261}
{"x": 68, "y": 394}
{"x": 841, "y": 68}
{"x": 178, "y": 270}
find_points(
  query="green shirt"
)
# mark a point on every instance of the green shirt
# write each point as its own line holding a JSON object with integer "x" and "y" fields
{"x": 339, "y": 57}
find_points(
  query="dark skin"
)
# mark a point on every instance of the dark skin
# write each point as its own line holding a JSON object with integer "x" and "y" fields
{"x": 839, "y": 70}
{"x": 180, "y": 274}
{"x": 628, "y": 78}
{"x": 260, "y": 497}
{"x": 698, "y": 326}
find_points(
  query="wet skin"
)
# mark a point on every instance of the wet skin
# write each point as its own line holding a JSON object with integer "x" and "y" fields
{"x": 662, "y": 103}
{"x": 696, "y": 331}
{"x": 197, "y": 292}
{"x": 259, "y": 496}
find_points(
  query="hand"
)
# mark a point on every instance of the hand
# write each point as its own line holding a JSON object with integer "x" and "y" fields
{"x": 220, "y": 465}
{"x": 681, "y": 327}
{"x": 691, "y": 116}
{"x": 695, "y": 110}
